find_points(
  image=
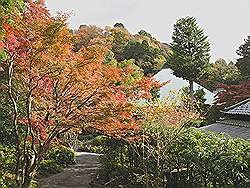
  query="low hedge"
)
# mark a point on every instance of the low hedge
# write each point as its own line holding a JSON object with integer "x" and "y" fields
{"x": 93, "y": 144}
{"x": 47, "y": 167}
{"x": 57, "y": 158}
{"x": 62, "y": 155}
{"x": 192, "y": 158}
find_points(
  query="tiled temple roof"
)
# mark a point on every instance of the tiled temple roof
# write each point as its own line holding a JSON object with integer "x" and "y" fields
{"x": 235, "y": 127}
{"x": 241, "y": 108}
{"x": 236, "y": 131}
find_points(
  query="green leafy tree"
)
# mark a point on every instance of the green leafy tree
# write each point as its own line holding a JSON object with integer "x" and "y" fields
{"x": 221, "y": 72}
{"x": 120, "y": 25}
{"x": 8, "y": 6}
{"x": 150, "y": 59}
{"x": 121, "y": 37}
{"x": 144, "y": 33}
{"x": 199, "y": 97}
{"x": 149, "y": 54}
{"x": 190, "y": 47}
{"x": 243, "y": 63}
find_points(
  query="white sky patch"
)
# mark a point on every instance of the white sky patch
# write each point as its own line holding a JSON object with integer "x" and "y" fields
{"x": 226, "y": 22}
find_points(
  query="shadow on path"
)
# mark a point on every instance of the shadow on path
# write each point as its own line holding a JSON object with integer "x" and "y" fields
{"x": 75, "y": 176}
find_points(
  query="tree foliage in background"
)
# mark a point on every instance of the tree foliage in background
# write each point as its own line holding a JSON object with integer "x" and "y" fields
{"x": 86, "y": 36}
{"x": 150, "y": 59}
{"x": 148, "y": 53}
{"x": 233, "y": 83}
{"x": 220, "y": 73}
{"x": 190, "y": 51}
{"x": 119, "y": 25}
{"x": 243, "y": 63}
{"x": 231, "y": 94}
{"x": 199, "y": 98}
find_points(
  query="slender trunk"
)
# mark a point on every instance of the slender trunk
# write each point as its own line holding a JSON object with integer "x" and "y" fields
{"x": 31, "y": 166}
{"x": 158, "y": 160}
{"x": 143, "y": 160}
{"x": 14, "y": 122}
{"x": 27, "y": 182}
{"x": 191, "y": 89}
{"x": 121, "y": 157}
{"x": 30, "y": 170}
{"x": 27, "y": 158}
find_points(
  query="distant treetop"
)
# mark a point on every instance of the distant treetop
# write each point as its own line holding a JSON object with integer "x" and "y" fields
{"x": 120, "y": 25}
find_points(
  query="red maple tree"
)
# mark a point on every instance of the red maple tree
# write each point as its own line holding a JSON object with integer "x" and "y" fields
{"x": 231, "y": 94}
{"x": 53, "y": 89}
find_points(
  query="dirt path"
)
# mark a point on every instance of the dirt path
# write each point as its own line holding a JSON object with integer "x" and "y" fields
{"x": 75, "y": 176}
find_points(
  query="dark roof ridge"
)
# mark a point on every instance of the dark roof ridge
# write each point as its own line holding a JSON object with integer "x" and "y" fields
{"x": 235, "y": 105}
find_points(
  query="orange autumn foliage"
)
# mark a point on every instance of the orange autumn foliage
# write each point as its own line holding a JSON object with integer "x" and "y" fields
{"x": 75, "y": 87}
{"x": 54, "y": 88}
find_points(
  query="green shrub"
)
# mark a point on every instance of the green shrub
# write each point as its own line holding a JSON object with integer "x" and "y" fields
{"x": 100, "y": 140}
{"x": 213, "y": 159}
{"x": 192, "y": 158}
{"x": 85, "y": 137}
{"x": 7, "y": 165}
{"x": 96, "y": 144}
{"x": 115, "y": 164}
{"x": 62, "y": 155}
{"x": 47, "y": 167}
{"x": 57, "y": 158}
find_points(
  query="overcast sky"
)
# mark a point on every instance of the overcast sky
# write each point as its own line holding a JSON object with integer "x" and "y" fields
{"x": 226, "y": 22}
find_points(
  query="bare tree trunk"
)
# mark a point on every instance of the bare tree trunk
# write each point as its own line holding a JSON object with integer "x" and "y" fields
{"x": 30, "y": 171}
{"x": 158, "y": 158}
{"x": 191, "y": 89}
{"x": 14, "y": 122}
{"x": 27, "y": 182}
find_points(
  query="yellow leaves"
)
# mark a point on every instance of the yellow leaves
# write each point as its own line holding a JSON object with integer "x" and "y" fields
{"x": 119, "y": 35}
{"x": 87, "y": 36}
{"x": 167, "y": 113}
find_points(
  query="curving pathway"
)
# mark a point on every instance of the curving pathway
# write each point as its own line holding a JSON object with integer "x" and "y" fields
{"x": 75, "y": 176}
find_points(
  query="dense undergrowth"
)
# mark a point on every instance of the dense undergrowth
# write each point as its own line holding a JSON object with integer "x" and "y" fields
{"x": 57, "y": 158}
{"x": 193, "y": 158}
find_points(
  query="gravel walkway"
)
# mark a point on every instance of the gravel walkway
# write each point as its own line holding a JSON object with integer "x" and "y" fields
{"x": 75, "y": 176}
